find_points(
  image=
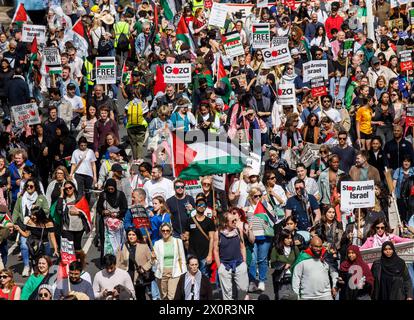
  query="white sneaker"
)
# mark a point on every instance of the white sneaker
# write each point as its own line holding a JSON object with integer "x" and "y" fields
{"x": 261, "y": 286}
{"x": 26, "y": 271}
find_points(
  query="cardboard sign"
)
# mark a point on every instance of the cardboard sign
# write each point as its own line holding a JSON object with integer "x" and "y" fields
{"x": 29, "y": 31}
{"x": 219, "y": 182}
{"x": 193, "y": 187}
{"x": 315, "y": 69}
{"x": 105, "y": 70}
{"x": 348, "y": 47}
{"x": 406, "y": 60}
{"x": 357, "y": 194}
{"x": 25, "y": 113}
{"x": 52, "y": 56}
{"x": 67, "y": 250}
{"x": 411, "y": 13}
{"x": 318, "y": 87}
{"x": 279, "y": 52}
{"x": 218, "y": 15}
{"x": 262, "y": 3}
{"x": 140, "y": 218}
{"x": 309, "y": 154}
{"x": 177, "y": 73}
{"x": 232, "y": 44}
{"x": 241, "y": 79}
{"x": 286, "y": 94}
{"x": 260, "y": 35}
{"x": 404, "y": 250}
{"x": 409, "y": 119}
{"x": 395, "y": 23}
{"x": 254, "y": 161}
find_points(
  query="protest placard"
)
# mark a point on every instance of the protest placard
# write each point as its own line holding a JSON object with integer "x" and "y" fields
{"x": 315, "y": 69}
{"x": 318, "y": 88}
{"x": 409, "y": 118}
{"x": 25, "y": 113}
{"x": 140, "y": 218}
{"x": 232, "y": 44}
{"x": 177, "y": 73}
{"x": 52, "y": 56}
{"x": 67, "y": 249}
{"x": 357, "y": 194}
{"x": 348, "y": 47}
{"x": 218, "y": 15}
{"x": 406, "y": 60}
{"x": 404, "y": 250}
{"x": 219, "y": 181}
{"x": 310, "y": 153}
{"x": 241, "y": 79}
{"x": 193, "y": 187}
{"x": 262, "y": 3}
{"x": 260, "y": 35}
{"x": 30, "y": 31}
{"x": 286, "y": 94}
{"x": 279, "y": 52}
{"x": 254, "y": 162}
{"x": 395, "y": 23}
{"x": 105, "y": 70}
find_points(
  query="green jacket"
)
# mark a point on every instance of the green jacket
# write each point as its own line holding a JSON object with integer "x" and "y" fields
{"x": 277, "y": 257}
{"x": 18, "y": 210}
{"x": 30, "y": 286}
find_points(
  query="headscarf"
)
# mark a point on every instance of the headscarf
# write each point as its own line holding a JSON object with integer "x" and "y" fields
{"x": 394, "y": 265}
{"x": 195, "y": 295}
{"x": 346, "y": 264}
{"x": 111, "y": 197}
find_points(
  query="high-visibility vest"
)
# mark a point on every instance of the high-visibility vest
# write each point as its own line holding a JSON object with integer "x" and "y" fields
{"x": 120, "y": 27}
{"x": 197, "y": 4}
{"x": 89, "y": 72}
{"x": 135, "y": 115}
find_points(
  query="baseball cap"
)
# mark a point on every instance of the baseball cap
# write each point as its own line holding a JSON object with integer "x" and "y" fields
{"x": 374, "y": 60}
{"x": 113, "y": 149}
{"x": 201, "y": 197}
{"x": 117, "y": 167}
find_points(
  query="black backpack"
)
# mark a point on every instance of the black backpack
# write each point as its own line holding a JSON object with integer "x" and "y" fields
{"x": 104, "y": 46}
{"x": 123, "y": 42}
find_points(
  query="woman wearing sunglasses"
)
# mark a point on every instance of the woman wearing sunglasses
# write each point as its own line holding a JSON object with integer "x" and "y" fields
{"x": 8, "y": 289}
{"x": 31, "y": 197}
{"x": 59, "y": 176}
{"x": 170, "y": 262}
{"x": 380, "y": 232}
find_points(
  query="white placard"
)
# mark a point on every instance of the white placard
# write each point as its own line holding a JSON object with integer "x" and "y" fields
{"x": 219, "y": 181}
{"x": 315, "y": 69}
{"x": 279, "y": 52}
{"x": 105, "y": 70}
{"x": 232, "y": 44}
{"x": 52, "y": 56}
{"x": 357, "y": 194}
{"x": 262, "y": 3}
{"x": 254, "y": 161}
{"x": 218, "y": 15}
{"x": 286, "y": 94}
{"x": 193, "y": 187}
{"x": 177, "y": 73}
{"x": 25, "y": 113}
{"x": 260, "y": 35}
{"x": 29, "y": 31}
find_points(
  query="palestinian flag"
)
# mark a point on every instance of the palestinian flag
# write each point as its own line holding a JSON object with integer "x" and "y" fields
{"x": 53, "y": 215}
{"x": 33, "y": 47}
{"x": 190, "y": 161}
{"x": 261, "y": 212}
{"x": 126, "y": 75}
{"x": 169, "y": 9}
{"x": 105, "y": 63}
{"x": 183, "y": 33}
{"x": 5, "y": 220}
{"x": 306, "y": 255}
{"x": 80, "y": 37}
{"x": 53, "y": 69}
{"x": 231, "y": 38}
{"x": 159, "y": 80}
{"x": 222, "y": 76}
{"x": 83, "y": 206}
{"x": 20, "y": 15}
{"x": 262, "y": 28}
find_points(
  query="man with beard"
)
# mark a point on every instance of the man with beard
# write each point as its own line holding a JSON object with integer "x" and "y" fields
{"x": 362, "y": 170}
{"x": 170, "y": 98}
{"x": 328, "y": 180}
{"x": 397, "y": 148}
{"x": 313, "y": 274}
{"x": 346, "y": 152}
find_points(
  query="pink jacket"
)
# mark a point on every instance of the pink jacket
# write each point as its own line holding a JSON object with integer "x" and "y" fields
{"x": 369, "y": 243}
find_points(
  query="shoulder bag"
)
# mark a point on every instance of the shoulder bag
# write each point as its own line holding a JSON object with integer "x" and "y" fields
{"x": 200, "y": 228}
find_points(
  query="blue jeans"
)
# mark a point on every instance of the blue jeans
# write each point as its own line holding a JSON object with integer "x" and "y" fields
{"x": 259, "y": 257}
{"x": 24, "y": 249}
{"x": 205, "y": 268}
{"x": 155, "y": 292}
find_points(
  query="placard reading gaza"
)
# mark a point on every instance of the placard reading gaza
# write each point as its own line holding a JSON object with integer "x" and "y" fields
{"x": 357, "y": 194}
{"x": 279, "y": 52}
{"x": 29, "y": 31}
{"x": 177, "y": 73}
{"x": 286, "y": 94}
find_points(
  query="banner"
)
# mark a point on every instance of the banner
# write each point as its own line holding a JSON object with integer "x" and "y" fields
{"x": 140, "y": 218}
{"x": 219, "y": 181}
{"x": 177, "y": 73}
{"x": 310, "y": 153}
{"x": 279, "y": 52}
{"x": 67, "y": 248}
{"x": 404, "y": 250}
{"x": 315, "y": 69}
{"x": 232, "y": 44}
{"x": 318, "y": 88}
{"x": 105, "y": 70}
{"x": 52, "y": 56}
{"x": 262, "y": 3}
{"x": 260, "y": 35}
{"x": 406, "y": 60}
{"x": 25, "y": 113}
{"x": 193, "y": 187}
{"x": 357, "y": 194}
{"x": 29, "y": 31}
{"x": 218, "y": 15}
{"x": 286, "y": 94}
{"x": 409, "y": 119}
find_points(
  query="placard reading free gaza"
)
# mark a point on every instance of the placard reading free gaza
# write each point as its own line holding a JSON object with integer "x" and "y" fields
{"x": 357, "y": 194}
{"x": 105, "y": 70}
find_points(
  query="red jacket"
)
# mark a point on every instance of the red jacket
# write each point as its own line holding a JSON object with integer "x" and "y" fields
{"x": 333, "y": 23}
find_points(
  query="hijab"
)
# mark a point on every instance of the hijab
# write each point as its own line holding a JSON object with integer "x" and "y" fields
{"x": 346, "y": 264}
{"x": 111, "y": 197}
{"x": 394, "y": 265}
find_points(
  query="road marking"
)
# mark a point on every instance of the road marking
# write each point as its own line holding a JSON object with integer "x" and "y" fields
{"x": 12, "y": 248}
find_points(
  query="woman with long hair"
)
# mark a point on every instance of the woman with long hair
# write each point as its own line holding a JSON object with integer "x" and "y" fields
{"x": 321, "y": 40}
{"x": 380, "y": 87}
{"x": 310, "y": 130}
{"x": 329, "y": 229}
{"x": 8, "y": 288}
{"x": 39, "y": 277}
{"x": 361, "y": 287}
{"x": 257, "y": 61}
{"x": 397, "y": 104}
{"x": 63, "y": 147}
{"x": 384, "y": 118}
{"x": 135, "y": 258}
{"x": 391, "y": 277}
{"x": 363, "y": 121}
{"x": 158, "y": 215}
{"x": 59, "y": 177}
{"x": 87, "y": 124}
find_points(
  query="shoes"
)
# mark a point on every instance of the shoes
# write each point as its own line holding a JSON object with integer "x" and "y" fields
{"x": 261, "y": 286}
{"x": 26, "y": 271}
{"x": 252, "y": 287}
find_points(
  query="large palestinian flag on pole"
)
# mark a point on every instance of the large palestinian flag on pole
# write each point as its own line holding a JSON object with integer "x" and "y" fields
{"x": 190, "y": 161}
{"x": 83, "y": 206}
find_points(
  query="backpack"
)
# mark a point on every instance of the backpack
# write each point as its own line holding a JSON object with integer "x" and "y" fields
{"x": 135, "y": 114}
{"x": 104, "y": 46}
{"x": 123, "y": 42}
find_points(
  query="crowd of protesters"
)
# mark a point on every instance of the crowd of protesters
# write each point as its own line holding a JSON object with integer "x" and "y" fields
{"x": 106, "y": 147}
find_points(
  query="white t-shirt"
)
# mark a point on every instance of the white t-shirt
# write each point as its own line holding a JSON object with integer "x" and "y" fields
{"x": 76, "y": 103}
{"x": 241, "y": 202}
{"x": 86, "y": 165}
{"x": 163, "y": 188}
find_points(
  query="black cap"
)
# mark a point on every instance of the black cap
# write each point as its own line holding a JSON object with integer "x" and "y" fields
{"x": 201, "y": 197}
{"x": 117, "y": 167}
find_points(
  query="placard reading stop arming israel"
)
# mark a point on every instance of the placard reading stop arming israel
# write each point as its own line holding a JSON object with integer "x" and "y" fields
{"x": 357, "y": 194}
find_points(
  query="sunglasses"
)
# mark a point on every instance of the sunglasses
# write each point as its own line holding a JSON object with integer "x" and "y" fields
{"x": 201, "y": 205}
{"x": 166, "y": 231}
{"x": 257, "y": 196}
{"x": 179, "y": 187}
{"x": 342, "y": 139}
{"x": 380, "y": 228}
{"x": 69, "y": 188}
{"x": 233, "y": 221}
{"x": 44, "y": 295}
{"x": 298, "y": 188}
{"x": 206, "y": 184}
{"x": 4, "y": 276}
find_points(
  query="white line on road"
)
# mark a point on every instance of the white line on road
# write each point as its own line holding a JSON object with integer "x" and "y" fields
{"x": 12, "y": 248}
